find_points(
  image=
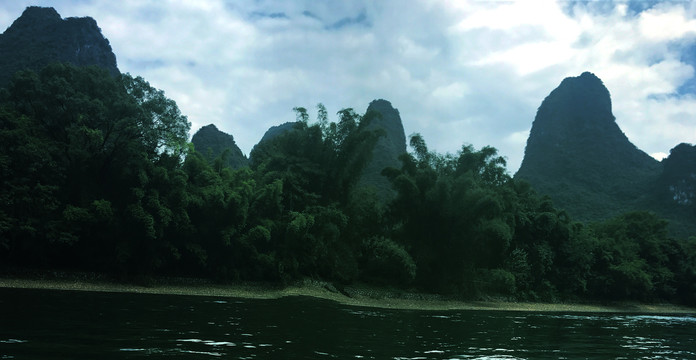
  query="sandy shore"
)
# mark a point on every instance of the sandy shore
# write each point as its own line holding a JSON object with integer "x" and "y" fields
{"x": 357, "y": 296}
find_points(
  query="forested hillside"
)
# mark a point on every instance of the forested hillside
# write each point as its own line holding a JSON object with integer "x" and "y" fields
{"x": 97, "y": 175}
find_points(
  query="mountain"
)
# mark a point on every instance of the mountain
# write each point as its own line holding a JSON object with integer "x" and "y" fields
{"x": 274, "y": 131}
{"x": 679, "y": 175}
{"x": 212, "y": 143}
{"x": 388, "y": 148}
{"x": 40, "y": 37}
{"x": 578, "y": 155}
{"x": 675, "y": 195}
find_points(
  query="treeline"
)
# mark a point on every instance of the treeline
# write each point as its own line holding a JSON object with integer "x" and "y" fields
{"x": 97, "y": 175}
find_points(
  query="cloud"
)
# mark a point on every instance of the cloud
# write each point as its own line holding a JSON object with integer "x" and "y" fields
{"x": 459, "y": 72}
{"x": 360, "y": 19}
{"x": 666, "y": 24}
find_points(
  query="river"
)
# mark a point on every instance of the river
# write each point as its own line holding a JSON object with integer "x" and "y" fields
{"x": 51, "y": 324}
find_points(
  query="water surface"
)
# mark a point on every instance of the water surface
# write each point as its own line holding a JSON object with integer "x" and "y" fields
{"x": 51, "y": 324}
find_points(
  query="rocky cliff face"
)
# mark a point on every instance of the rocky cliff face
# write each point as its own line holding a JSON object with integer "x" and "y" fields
{"x": 212, "y": 143}
{"x": 578, "y": 155}
{"x": 388, "y": 148}
{"x": 40, "y": 37}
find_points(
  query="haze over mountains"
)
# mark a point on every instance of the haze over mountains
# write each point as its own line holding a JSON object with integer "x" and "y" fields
{"x": 576, "y": 153}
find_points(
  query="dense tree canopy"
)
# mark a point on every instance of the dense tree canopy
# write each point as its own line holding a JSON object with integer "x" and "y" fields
{"x": 82, "y": 153}
{"x": 97, "y": 175}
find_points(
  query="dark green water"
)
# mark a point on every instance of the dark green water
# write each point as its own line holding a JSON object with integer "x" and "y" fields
{"x": 42, "y": 324}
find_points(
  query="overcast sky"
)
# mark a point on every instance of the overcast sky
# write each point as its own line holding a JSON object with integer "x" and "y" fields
{"x": 459, "y": 72}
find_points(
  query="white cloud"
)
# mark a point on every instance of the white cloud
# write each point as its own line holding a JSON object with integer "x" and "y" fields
{"x": 458, "y": 71}
{"x": 665, "y": 24}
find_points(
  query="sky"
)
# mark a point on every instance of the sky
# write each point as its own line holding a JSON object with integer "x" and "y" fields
{"x": 459, "y": 72}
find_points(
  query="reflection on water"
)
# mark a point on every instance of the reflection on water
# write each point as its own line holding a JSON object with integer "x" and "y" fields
{"x": 72, "y": 325}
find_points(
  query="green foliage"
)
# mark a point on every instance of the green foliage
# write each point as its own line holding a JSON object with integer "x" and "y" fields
{"x": 94, "y": 158}
{"x": 637, "y": 260}
{"x": 387, "y": 262}
{"x": 161, "y": 126}
{"x": 496, "y": 282}
{"x": 451, "y": 215}
{"x": 96, "y": 175}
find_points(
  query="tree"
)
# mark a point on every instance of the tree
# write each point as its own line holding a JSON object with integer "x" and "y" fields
{"x": 162, "y": 127}
{"x": 636, "y": 258}
{"x": 107, "y": 147}
{"x": 451, "y": 214}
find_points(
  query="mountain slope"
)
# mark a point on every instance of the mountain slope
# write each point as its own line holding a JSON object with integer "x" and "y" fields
{"x": 578, "y": 155}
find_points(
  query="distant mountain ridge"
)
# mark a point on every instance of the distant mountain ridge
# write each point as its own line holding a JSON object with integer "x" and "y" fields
{"x": 40, "y": 37}
{"x": 578, "y": 155}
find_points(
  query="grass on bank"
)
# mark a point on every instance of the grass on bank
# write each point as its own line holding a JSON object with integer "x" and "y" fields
{"x": 350, "y": 295}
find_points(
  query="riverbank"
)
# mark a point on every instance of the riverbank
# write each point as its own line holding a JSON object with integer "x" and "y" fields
{"x": 350, "y": 295}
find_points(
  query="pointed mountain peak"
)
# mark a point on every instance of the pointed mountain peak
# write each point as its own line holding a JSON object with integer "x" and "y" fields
{"x": 584, "y": 95}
